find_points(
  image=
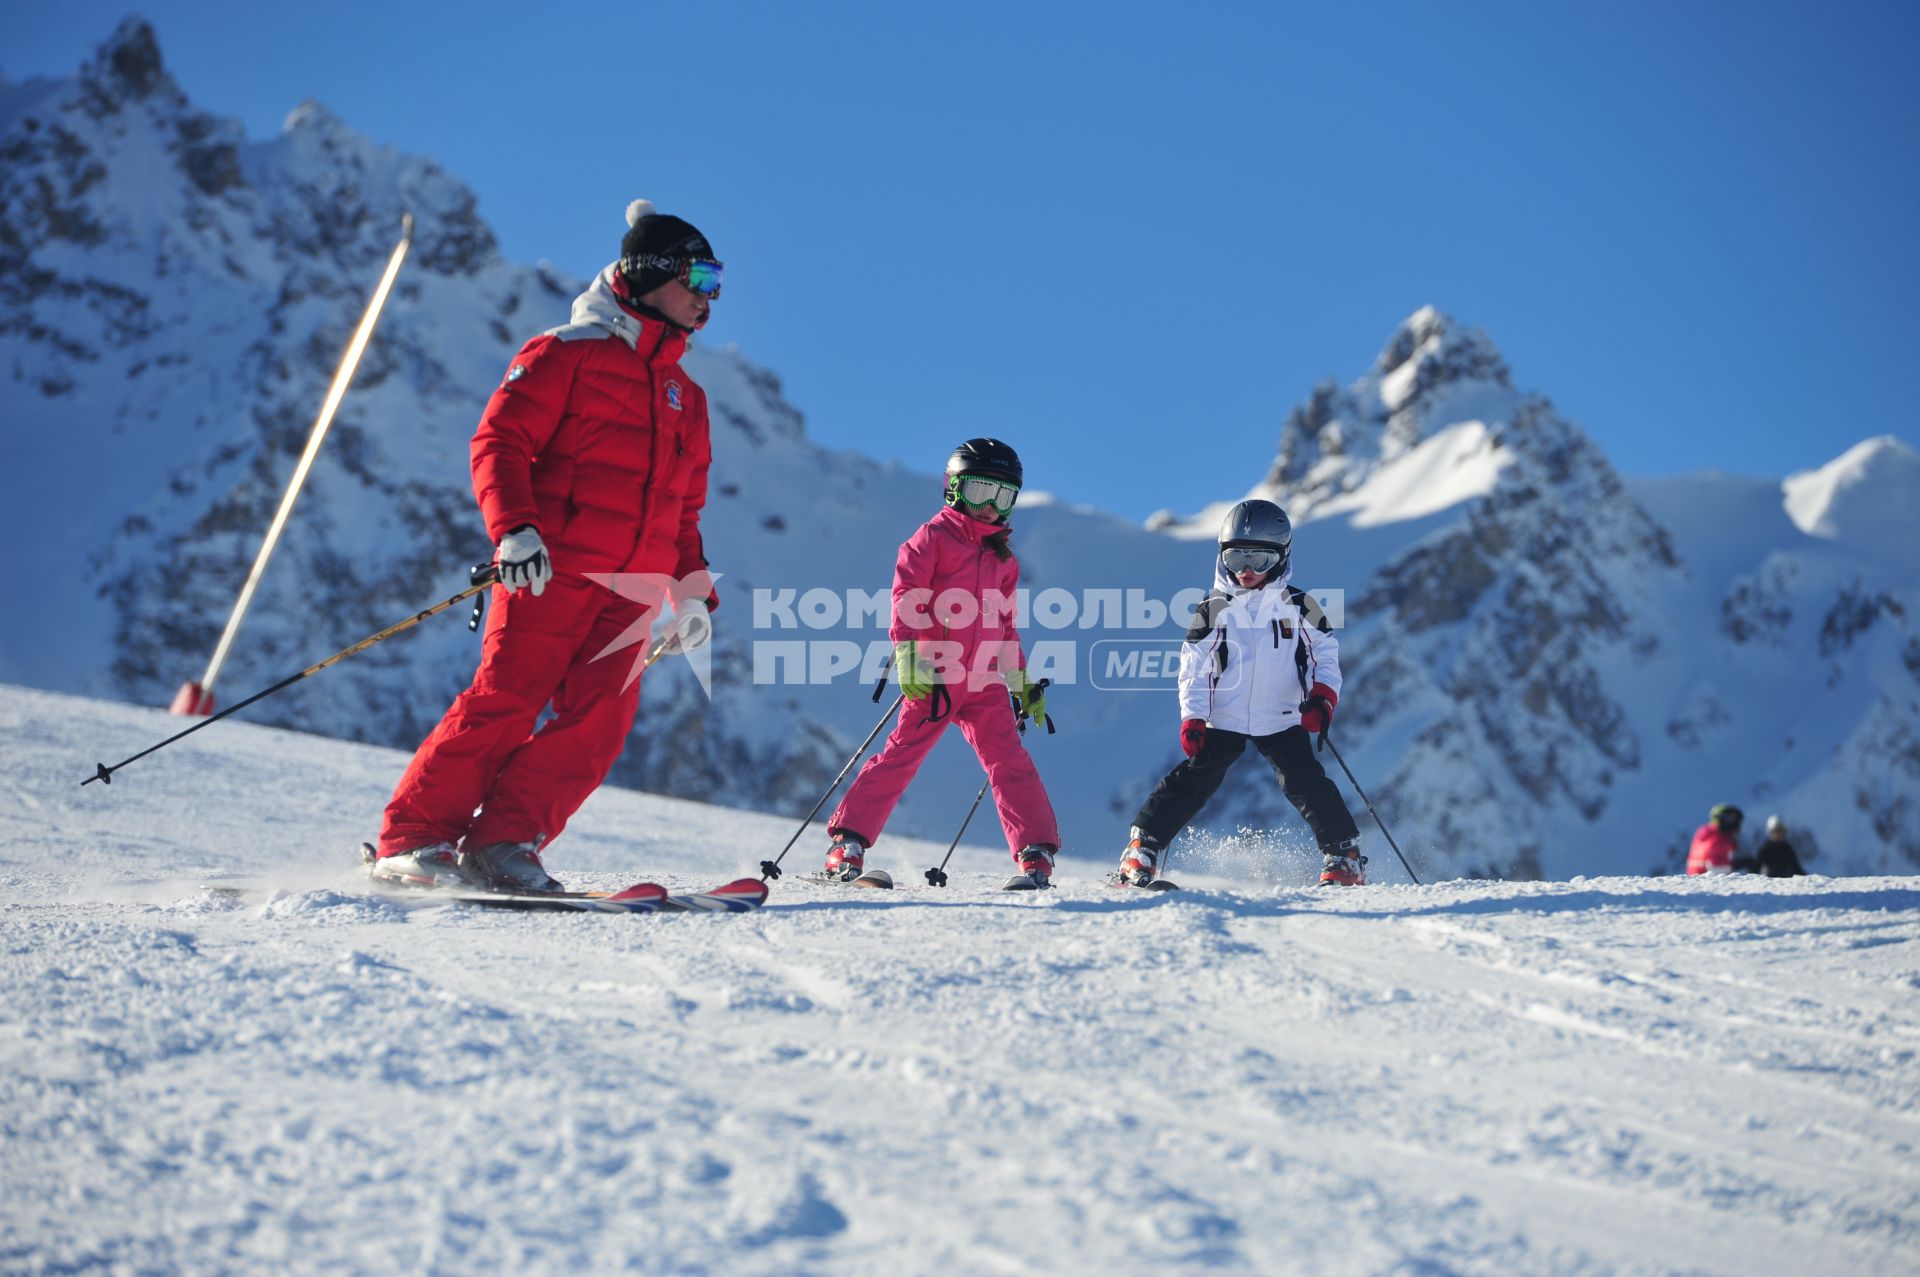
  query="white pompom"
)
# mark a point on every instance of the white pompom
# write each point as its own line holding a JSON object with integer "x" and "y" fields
{"x": 637, "y": 210}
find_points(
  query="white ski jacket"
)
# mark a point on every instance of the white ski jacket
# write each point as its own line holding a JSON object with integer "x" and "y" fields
{"x": 1251, "y": 656}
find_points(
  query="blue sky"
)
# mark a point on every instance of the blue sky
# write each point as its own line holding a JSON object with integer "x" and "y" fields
{"x": 1128, "y": 238}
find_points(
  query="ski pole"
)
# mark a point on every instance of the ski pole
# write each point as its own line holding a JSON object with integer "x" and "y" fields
{"x": 770, "y": 869}
{"x": 482, "y": 577}
{"x": 938, "y": 874}
{"x": 1326, "y": 738}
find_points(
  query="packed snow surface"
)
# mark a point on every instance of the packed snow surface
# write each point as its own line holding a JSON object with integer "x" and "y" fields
{"x": 220, "y": 1053}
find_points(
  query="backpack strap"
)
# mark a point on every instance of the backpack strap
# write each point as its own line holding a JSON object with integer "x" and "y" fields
{"x": 1310, "y": 610}
{"x": 1207, "y": 616}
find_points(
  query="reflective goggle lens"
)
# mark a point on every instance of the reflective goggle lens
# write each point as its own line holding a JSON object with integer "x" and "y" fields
{"x": 979, "y": 492}
{"x": 703, "y": 277}
{"x": 1243, "y": 558}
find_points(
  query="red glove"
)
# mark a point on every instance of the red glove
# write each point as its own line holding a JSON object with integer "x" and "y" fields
{"x": 1316, "y": 712}
{"x": 1193, "y": 734}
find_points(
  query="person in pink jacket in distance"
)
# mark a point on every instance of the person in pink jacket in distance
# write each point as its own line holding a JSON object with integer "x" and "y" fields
{"x": 957, "y": 656}
{"x": 1717, "y": 842}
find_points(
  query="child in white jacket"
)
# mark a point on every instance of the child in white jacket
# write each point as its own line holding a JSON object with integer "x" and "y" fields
{"x": 1260, "y": 663}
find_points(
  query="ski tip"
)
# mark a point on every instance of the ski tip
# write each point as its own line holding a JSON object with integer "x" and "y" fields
{"x": 1122, "y": 883}
{"x": 876, "y": 878}
{"x": 638, "y": 891}
{"x": 738, "y": 896}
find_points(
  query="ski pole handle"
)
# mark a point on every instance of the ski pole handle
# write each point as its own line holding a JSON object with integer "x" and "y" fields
{"x": 1043, "y": 685}
{"x": 480, "y": 574}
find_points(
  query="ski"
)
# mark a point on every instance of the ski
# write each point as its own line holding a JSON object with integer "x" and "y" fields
{"x": 1025, "y": 882}
{"x": 737, "y": 896}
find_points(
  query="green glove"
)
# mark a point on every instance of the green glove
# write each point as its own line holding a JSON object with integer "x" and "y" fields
{"x": 1029, "y": 696}
{"x": 915, "y": 675}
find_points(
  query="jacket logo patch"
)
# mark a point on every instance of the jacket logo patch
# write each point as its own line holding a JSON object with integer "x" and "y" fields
{"x": 673, "y": 395}
{"x": 516, "y": 372}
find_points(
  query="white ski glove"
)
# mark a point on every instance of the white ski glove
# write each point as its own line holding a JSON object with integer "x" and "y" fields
{"x": 692, "y": 627}
{"x": 521, "y": 558}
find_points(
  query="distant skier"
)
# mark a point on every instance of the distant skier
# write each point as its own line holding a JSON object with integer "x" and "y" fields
{"x": 591, "y": 457}
{"x": 957, "y": 656}
{"x": 1260, "y": 663}
{"x": 1776, "y": 857}
{"x": 1717, "y": 842}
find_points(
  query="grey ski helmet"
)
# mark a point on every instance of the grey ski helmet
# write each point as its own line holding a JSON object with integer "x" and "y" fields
{"x": 1259, "y": 525}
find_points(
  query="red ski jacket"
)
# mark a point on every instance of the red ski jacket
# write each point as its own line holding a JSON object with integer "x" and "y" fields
{"x": 1711, "y": 852}
{"x": 599, "y": 439}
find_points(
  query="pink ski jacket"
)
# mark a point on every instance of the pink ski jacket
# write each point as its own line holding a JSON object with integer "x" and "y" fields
{"x": 955, "y": 597}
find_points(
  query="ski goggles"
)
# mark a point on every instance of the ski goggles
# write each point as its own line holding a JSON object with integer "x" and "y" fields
{"x": 1249, "y": 558}
{"x": 978, "y": 492}
{"x": 702, "y": 276}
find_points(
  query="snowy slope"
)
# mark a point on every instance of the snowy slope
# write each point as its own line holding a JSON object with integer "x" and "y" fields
{"x": 1608, "y": 1075}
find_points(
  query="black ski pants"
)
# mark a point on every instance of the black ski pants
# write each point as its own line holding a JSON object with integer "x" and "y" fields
{"x": 1183, "y": 791}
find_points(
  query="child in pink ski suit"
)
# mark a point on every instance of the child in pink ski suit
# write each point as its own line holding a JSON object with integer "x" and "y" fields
{"x": 958, "y": 656}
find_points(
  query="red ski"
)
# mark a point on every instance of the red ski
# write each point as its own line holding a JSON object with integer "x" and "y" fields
{"x": 737, "y": 896}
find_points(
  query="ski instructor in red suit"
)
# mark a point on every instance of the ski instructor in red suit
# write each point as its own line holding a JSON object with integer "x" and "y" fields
{"x": 591, "y": 459}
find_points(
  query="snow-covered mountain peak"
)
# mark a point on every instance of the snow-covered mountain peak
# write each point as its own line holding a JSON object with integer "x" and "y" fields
{"x": 1432, "y": 374}
{"x": 1863, "y": 497}
{"x": 127, "y": 66}
{"x": 1431, "y": 350}
{"x": 315, "y": 115}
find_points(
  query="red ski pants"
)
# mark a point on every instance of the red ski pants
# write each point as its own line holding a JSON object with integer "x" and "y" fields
{"x": 485, "y": 753}
{"x": 986, "y": 720}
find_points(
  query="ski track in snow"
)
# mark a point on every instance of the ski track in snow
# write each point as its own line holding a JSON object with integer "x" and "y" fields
{"x": 1598, "y": 1076}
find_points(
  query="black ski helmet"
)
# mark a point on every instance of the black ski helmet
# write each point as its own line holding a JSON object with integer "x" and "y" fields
{"x": 988, "y": 458}
{"x": 1260, "y": 524}
{"x": 1727, "y": 816}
